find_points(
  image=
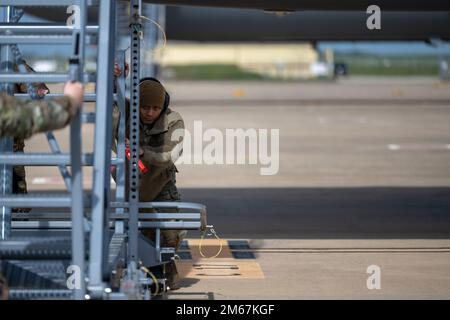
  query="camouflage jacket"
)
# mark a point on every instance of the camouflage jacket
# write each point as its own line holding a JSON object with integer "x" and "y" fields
{"x": 159, "y": 150}
{"x": 23, "y": 118}
{"x": 19, "y": 144}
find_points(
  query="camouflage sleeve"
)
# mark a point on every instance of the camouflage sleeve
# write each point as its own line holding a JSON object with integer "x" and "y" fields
{"x": 172, "y": 147}
{"x": 23, "y": 118}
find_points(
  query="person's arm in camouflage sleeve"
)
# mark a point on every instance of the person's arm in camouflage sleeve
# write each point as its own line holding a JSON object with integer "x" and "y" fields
{"x": 172, "y": 148}
{"x": 23, "y": 118}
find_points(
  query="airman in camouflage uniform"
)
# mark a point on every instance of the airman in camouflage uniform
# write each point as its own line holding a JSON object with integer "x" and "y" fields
{"x": 157, "y": 124}
{"x": 19, "y": 181}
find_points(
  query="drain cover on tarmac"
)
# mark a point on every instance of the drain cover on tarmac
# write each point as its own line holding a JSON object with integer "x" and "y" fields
{"x": 229, "y": 264}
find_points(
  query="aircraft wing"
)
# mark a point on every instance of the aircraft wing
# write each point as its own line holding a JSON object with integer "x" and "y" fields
{"x": 317, "y": 5}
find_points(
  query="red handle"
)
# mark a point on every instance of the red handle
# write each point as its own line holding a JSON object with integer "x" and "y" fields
{"x": 141, "y": 165}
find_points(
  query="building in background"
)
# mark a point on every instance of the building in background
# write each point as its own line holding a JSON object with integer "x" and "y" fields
{"x": 282, "y": 61}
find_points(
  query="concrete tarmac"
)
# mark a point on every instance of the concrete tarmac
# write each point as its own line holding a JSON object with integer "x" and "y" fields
{"x": 363, "y": 179}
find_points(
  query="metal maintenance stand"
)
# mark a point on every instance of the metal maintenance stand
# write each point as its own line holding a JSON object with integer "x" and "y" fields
{"x": 97, "y": 248}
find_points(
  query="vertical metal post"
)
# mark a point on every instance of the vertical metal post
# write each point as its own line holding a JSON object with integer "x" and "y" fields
{"x": 133, "y": 232}
{"x": 6, "y": 143}
{"x": 54, "y": 147}
{"x": 5, "y": 190}
{"x": 120, "y": 168}
{"x": 158, "y": 244}
{"x": 78, "y": 235}
{"x": 102, "y": 149}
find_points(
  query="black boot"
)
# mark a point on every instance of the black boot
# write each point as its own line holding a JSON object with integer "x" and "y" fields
{"x": 172, "y": 277}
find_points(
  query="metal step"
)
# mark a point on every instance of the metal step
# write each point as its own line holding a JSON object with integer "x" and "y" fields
{"x": 43, "y": 39}
{"x": 46, "y": 159}
{"x": 37, "y": 201}
{"x": 42, "y": 294}
{"x": 171, "y": 225}
{"x": 88, "y": 97}
{"x": 45, "y": 3}
{"x": 33, "y": 274}
{"x": 36, "y": 248}
{"x": 40, "y": 29}
{"x": 41, "y": 77}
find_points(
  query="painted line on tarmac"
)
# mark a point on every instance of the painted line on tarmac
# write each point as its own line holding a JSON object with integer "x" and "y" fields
{"x": 349, "y": 250}
{"x": 417, "y": 147}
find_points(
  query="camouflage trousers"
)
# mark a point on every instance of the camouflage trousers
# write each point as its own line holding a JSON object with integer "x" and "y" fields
{"x": 169, "y": 238}
{"x": 19, "y": 183}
